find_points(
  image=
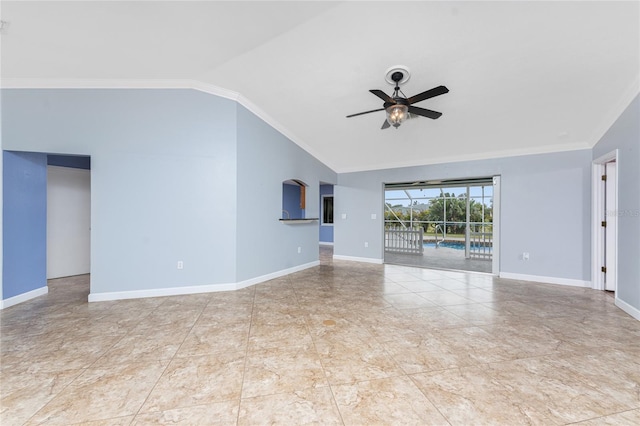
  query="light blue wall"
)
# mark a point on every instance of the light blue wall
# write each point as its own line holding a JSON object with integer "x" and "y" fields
{"x": 543, "y": 197}
{"x": 624, "y": 135}
{"x": 24, "y": 218}
{"x": 266, "y": 158}
{"x": 326, "y": 231}
{"x": 163, "y": 178}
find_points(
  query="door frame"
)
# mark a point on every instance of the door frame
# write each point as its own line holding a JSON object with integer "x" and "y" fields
{"x": 598, "y": 215}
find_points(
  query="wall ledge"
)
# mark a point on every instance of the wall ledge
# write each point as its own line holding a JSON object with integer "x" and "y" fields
{"x": 23, "y": 297}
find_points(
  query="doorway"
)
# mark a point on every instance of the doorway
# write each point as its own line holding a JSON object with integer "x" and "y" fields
{"x": 443, "y": 224}
{"x": 605, "y": 222}
{"x": 68, "y": 219}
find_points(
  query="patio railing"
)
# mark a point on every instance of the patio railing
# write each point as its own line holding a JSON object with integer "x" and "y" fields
{"x": 481, "y": 245}
{"x": 403, "y": 240}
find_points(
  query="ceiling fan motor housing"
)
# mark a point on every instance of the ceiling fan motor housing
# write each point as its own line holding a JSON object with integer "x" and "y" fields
{"x": 397, "y": 75}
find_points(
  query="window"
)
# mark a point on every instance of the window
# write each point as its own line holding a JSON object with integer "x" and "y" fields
{"x": 327, "y": 209}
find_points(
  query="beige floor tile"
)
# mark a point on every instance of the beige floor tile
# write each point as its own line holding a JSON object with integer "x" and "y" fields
{"x": 22, "y": 394}
{"x": 99, "y": 394}
{"x": 210, "y": 338}
{"x": 197, "y": 380}
{"x": 356, "y": 360}
{"x": 473, "y": 396}
{"x": 116, "y": 421}
{"x": 544, "y": 386}
{"x": 408, "y": 301}
{"x": 395, "y": 400}
{"x": 219, "y": 413}
{"x": 264, "y": 336}
{"x": 513, "y": 352}
{"x": 626, "y": 418}
{"x": 282, "y": 370}
{"x": 309, "y": 407}
{"x": 445, "y": 298}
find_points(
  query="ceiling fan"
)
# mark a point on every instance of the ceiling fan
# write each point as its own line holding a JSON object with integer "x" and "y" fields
{"x": 398, "y": 107}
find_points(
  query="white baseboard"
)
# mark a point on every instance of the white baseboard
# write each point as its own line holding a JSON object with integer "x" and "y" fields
{"x": 325, "y": 243}
{"x": 358, "y": 259}
{"x": 546, "y": 280}
{"x": 274, "y": 275}
{"x": 159, "y": 292}
{"x": 179, "y": 291}
{"x": 627, "y": 308}
{"x": 23, "y": 297}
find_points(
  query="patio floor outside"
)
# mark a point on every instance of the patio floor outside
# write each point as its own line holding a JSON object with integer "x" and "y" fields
{"x": 439, "y": 258}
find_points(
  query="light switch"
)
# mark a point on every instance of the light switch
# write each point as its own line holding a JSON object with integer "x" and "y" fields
{"x": 344, "y": 215}
{"x": 373, "y": 216}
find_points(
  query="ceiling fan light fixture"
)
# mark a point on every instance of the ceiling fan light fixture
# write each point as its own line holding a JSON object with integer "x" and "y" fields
{"x": 397, "y": 114}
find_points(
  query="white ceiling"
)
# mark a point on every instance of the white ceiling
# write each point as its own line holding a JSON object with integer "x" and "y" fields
{"x": 524, "y": 77}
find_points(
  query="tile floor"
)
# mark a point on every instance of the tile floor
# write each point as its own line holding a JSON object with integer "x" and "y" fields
{"x": 342, "y": 343}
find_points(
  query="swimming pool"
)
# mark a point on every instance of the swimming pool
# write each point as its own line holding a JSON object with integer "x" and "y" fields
{"x": 456, "y": 245}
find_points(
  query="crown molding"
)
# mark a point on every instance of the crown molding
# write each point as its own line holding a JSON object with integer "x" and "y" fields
{"x": 29, "y": 83}
{"x": 614, "y": 113}
{"x": 489, "y": 155}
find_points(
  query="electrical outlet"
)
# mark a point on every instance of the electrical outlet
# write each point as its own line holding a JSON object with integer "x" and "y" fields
{"x": 366, "y": 244}
{"x": 180, "y": 264}
{"x": 525, "y": 256}
{"x": 299, "y": 250}
{"x": 344, "y": 215}
{"x": 373, "y": 216}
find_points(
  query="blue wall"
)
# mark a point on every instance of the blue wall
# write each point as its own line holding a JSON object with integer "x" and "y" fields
{"x": 326, "y": 231}
{"x": 24, "y": 218}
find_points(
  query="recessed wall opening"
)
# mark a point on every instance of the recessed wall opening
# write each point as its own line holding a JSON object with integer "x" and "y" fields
{"x": 447, "y": 224}
{"x": 293, "y": 199}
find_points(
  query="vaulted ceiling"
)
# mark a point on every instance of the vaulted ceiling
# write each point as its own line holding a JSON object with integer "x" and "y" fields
{"x": 524, "y": 77}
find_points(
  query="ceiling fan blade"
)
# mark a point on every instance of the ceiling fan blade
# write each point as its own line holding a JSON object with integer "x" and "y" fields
{"x": 436, "y": 91}
{"x": 366, "y": 112}
{"x": 383, "y": 96}
{"x": 424, "y": 112}
{"x": 385, "y": 125}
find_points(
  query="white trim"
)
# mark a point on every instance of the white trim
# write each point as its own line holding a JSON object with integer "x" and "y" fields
{"x": 159, "y": 292}
{"x": 23, "y": 297}
{"x": 358, "y": 259}
{"x": 614, "y": 113}
{"x": 546, "y": 280}
{"x": 597, "y": 216}
{"x": 28, "y": 83}
{"x": 274, "y": 275}
{"x": 486, "y": 155}
{"x": 496, "y": 201}
{"x": 211, "y": 288}
{"x": 325, "y": 243}
{"x": 627, "y": 308}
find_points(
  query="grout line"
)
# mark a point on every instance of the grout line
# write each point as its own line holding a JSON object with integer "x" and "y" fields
{"x": 246, "y": 352}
